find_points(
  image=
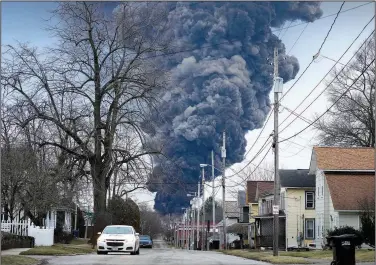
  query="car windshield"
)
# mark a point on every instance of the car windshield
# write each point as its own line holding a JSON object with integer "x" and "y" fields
{"x": 145, "y": 237}
{"x": 111, "y": 230}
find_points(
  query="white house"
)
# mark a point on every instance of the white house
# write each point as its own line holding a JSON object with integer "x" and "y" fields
{"x": 231, "y": 217}
{"x": 344, "y": 178}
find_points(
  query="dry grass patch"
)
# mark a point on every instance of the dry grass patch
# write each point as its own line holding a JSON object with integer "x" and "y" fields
{"x": 365, "y": 255}
{"x": 17, "y": 260}
{"x": 79, "y": 241}
{"x": 57, "y": 250}
{"x": 312, "y": 254}
{"x": 362, "y": 255}
{"x": 267, "y": 257}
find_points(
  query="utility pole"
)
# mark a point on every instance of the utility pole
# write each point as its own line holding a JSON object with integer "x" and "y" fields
{"x": 192, "y": 230}
{"x": 213, "y": 192}
{"x": 224, "y": 190}
{"x": 189, "y": 229}
{"x": 203, "y": 207}
{"x": 75, "y": 218}
{"x": 184, "y": 229}
{"x": 375, "y": 119}
{"x": 198, "y": 215}
{"x": 278, "y": 85}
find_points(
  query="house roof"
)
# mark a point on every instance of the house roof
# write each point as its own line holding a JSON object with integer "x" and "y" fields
{"x": 264, "y": 188}
{"x": 348, "y": 190}
{"x": 231, "y": 209}
{"x": 251, "y": 190}
{"x": 297, "y": 178}
{"x": 344, "y": 158}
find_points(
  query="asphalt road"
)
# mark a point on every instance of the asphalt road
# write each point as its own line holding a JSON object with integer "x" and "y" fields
{"x": 160, "y": 254}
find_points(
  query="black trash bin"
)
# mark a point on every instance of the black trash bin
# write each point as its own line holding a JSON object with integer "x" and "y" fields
{"x": 343, "y": 247}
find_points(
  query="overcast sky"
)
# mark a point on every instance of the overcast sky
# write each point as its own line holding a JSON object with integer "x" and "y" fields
{"x": 23, "y": 21}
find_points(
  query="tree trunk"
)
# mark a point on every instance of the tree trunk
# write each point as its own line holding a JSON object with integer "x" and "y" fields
{"x": 99, "y": 192}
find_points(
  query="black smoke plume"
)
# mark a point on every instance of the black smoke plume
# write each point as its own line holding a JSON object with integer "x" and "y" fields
{"x": 222, "y": 83}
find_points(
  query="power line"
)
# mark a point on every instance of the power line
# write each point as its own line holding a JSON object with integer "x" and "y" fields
{"x": 322, "y": 44}
{"x": 296, "y": 41}
{"x": 263, "y": 158}
{"x": 286, "y": 30}
{"x": 263, "y": 128}
{"x": 331, "y": 26}
{"x": 313, "y": 58}
{"x": 258, "y": 153}
{"x": 296, "y": 114}
{"x": 322, "y": 92}
{"x": 331, "y": 15}
{"x": 335, "y": 102}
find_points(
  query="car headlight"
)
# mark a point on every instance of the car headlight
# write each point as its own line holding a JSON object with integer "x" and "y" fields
{"x": 101, "y": 240}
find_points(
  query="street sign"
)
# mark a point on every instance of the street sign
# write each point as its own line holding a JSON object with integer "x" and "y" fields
{"x": 275, "y": 209}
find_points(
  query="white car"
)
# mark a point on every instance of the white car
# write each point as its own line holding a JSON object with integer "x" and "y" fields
{"x": 118, "y": 238}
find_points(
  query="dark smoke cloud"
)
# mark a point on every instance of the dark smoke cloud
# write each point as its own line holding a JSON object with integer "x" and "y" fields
{"x": 223, "y": 85}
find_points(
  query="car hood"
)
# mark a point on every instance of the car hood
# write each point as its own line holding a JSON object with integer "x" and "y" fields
{"x": 116, "y": 237}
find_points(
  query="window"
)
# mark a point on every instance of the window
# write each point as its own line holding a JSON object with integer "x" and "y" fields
{"x": 310, "y": 228}
{"x": 310, "y": 200}
{"x": 113, "y": 230}
{"x": 322, "y": 191}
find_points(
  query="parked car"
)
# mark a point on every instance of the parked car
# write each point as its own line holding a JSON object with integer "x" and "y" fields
{"x": 118, "y": 238}
{"x": 146, "y": 241}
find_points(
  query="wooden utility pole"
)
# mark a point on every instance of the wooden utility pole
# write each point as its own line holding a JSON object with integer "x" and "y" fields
{"x": 278, "y": 84}
{"x": 203, "y": 210}
{"x": 224, "y": 191}
{"x": 375, "y": 118}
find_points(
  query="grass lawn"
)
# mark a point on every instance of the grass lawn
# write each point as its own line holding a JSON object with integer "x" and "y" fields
{"x": 17, "y": 260}
{"x": 267, "y": 257}
{"x": 79, "y": 241}
{"x": 312, "y": 254}
{"x": 58, "y": 250}
{"x": 362, "y": 255}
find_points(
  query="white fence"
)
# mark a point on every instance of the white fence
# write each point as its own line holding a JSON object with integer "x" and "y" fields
{"x": 44, "y": 236}
{"x": 18, "y": 228}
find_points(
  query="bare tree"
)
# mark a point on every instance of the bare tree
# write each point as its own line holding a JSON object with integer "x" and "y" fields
{"x": 133, "y": 175}
{"x": 31, "y": 174}
{"x": 150, "y": 221}
{"x": 351, "y": 121}
{"x": 367, "y": 219}
{"x": 93, "y": 85}
{"x": 264, "y": 172}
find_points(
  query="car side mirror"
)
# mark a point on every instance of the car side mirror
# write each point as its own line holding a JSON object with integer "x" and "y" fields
{"x": 137, "y": 234}
{"x": 99, "y": 233}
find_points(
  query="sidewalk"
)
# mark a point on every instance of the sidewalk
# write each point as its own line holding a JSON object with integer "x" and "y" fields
{"x": 13, "y": 251}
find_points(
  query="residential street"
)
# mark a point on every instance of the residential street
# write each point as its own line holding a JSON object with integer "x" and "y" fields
{"x": 160, "y": 254}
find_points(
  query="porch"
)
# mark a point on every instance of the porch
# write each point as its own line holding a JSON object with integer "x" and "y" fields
{"x": 263, "y": 228}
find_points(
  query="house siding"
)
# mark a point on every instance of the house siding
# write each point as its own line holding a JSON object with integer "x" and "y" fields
{"x": 327, "y": 218}
{"x": 296, "y": 213}
{"x": 328, "y": 210}
{"x": 320, "y": 207}
{"x": 253, "y": 211}
{"x": 333, "y": 218}
{"x": 349, "y": 219}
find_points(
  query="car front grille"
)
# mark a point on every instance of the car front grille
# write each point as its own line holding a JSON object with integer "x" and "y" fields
{"x": 115, "y": 244}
